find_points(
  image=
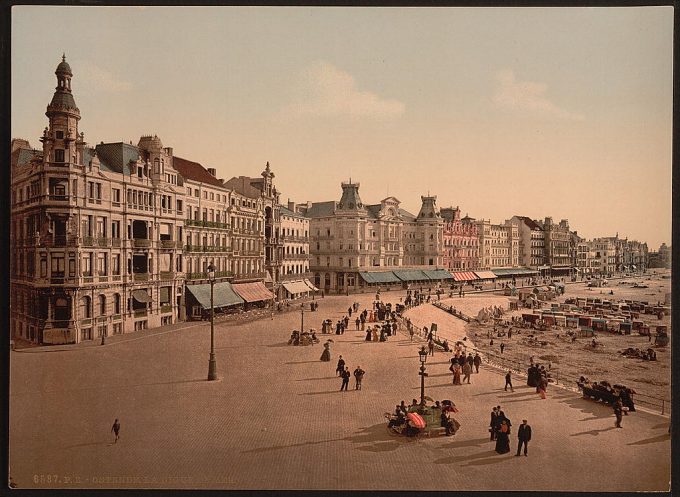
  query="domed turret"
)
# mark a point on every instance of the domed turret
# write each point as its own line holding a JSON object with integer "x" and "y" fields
{"x": 62, "y": 100}
{"x": 63, "y": 67}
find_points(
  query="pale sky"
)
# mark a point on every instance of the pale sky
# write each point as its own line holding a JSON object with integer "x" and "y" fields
{"x": 562, "y": 112}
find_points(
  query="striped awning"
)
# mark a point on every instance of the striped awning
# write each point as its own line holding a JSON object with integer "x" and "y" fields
{"x": 296, "y": 287}
{"x": 253, "y": 292}
{"x": 141, "y": 296}
{"x": 310, "y": 285}
{"x": 486, "y": 275}
{"x": 465, "y": 276}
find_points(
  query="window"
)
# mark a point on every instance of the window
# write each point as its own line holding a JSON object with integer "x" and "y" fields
{"x": 58, "y": 265}
{"x": 115, "y": 264}
{"x": 115, "y": 195}
{"x": 179, "y": 206}
{"x": 87, "y": 265}
{"x": 60, "y": 135}
{"x": 101, "y": 227}
{"x": 59, "y": 155}
{"x": 101, "y": 264}
{"x": 116, "y": 303}
{"x": 115, "y": 229}
{"x": 102, "y": 305}
{"x": 85, "y": 307}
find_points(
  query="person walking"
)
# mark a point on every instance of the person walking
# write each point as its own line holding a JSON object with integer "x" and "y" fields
{"x": 410, "y": 331}
{"x": 477, "y": 362}
{"x": 502, "y": 347}
{"x": 341, "y": 366}
{"x": 357, "y": 321}
{"x": 523, "y": 437}
{"x": 345, "y": 379}
{"x": 508, "y": 381}
{"x": 430, "y": 346}
{"x": 349, "y": 311}
{"x": 115, "y": 429}
{"x": 467, "y": 371}
{"x": 358, "y": 376}
{"x": 618, "y": 412}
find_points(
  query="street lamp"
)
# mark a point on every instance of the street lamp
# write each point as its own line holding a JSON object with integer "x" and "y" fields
{"x": 212, "y": 365}
{"x": 302, "y": 324}
{"x": 423, "y": 359}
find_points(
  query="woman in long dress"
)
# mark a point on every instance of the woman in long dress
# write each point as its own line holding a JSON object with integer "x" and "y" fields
{"x": 503, "y": 438}
{"x": 456, "y": 374}
{"x": 368, "y": 334}
{"x": 326, "y": 355}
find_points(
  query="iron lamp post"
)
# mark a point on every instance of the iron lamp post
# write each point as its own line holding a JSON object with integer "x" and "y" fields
{"x": 423, "y": 359}
{"x": 212, "y": 364}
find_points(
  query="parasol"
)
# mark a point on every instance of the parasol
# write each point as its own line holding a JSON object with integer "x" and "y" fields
{"x": 416, "y": 420}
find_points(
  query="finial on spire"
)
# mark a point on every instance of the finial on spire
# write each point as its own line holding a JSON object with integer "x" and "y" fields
{"x": 63, "y": 57}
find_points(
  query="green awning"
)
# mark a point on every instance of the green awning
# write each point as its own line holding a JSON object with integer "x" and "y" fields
{"x": 223, "y": 295}
{"x": 410, "y": 275}
{"x": 515, "y": 271}
{"x": 379, "y": 277}
{"x": 438, "y": 274}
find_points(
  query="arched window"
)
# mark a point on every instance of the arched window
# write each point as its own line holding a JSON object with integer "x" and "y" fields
{"x": 85, "y": 307}
{"x": 102, "y": 305}
{"x": 116, "y": 303}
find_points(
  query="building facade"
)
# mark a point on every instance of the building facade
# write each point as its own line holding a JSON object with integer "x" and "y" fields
{"x": 295, "y": 263}
{"x": 498, "y": 244}
{"x": 531, "y": 243}
{"x": 348, "y": 238}
{"x": 461, "y": 241}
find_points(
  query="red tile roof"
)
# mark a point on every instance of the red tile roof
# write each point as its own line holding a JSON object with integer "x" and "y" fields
{"x": 194, "y": 171}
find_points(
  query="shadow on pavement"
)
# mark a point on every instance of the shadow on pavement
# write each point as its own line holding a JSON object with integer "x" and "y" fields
{"x": 90, "y": 444}
{"x": 472, "y": 457}
{"x": 282, "y": 344}
{"x": 597, "y": 410}
{"x": 327, "y": 392}
{"x": 476, "y": 442}
{"x": 302, "y": 362}
{"x": 201, "y": 380}
{"x": 322, "y": 378}
{"x": 653, "y": 440}
{"x": 593, "y": 432}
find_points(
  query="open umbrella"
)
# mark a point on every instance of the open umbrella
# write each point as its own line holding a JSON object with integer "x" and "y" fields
{"x": 416, "y": 420}
{"x": 428, "y": 398}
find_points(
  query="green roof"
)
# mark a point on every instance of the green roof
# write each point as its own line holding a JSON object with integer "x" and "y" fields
{"x": 519, "y": 271}
{"x": 223, "y": 296}
{"x": 438, "y": 274}
{"x": 411, "y": 275}
{"x": 379, "y": 277}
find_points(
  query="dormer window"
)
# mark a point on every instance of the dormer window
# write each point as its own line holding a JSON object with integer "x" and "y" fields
{"x": 60, "y": 135}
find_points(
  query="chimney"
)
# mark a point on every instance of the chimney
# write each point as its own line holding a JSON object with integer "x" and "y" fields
{"x": 291, "y": 206}
{"x": 212, "y": 171}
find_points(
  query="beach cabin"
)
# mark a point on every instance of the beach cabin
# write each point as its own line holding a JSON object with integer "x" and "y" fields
{"x": 572, "y": 322}
{"x": 599, "y": 325}
{"x": 531, "y": 318}
{"x": 637, "y": 325}
{"x": 586, "y": 321}
{"x": 626, "y": 327}
{"x": 561, "y": 321}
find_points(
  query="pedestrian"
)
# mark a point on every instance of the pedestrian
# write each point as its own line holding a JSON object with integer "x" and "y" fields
{"x": 358, "y": 376}
{"x": 470, "y": 360}
{"x": 349, "y": 311}
{"x": 523, "y": 436}
{"x": 467, "y": 371}
{"x": 345, "y": 379}
{"x": 502, "y": 347}
{"x": 430, "y": 346}
{"x": 508, "y": 382}
{"x": 493, "y": 424}
{"x": 357, "y": 321}
{"x": 477, "y": 361}
{"x": 618, "y": 412}
{"x": 341, "y": 366}
{"x": 410, "y": 331}
{"x": 116, "y": 430}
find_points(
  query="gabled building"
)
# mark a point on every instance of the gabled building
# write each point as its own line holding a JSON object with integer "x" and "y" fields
{"x": 461, "y": 241}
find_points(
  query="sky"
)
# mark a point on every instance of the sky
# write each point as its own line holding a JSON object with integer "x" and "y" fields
{"x": 560, "y": 112}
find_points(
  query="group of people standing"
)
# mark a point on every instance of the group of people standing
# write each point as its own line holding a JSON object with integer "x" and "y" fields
{"x": 500, "y": 429}
{"x": 462, "y": 364}
{"x": 343, "y": 371}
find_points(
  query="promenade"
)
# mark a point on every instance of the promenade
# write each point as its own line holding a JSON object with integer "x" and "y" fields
{"x": 276, "y": 418}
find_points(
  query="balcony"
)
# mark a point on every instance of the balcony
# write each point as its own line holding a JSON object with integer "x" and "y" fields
{"x": 166, "y": 308}
{"x": 140, "y": 276}
{"x": 141, "y": 243}
{"x": 104, "y": 242}
{"x": 115, "y": 242}
{"x": 141, "y": 313}
{"x": 88, "y": 241}
{"x": 169, "y": 244}
{"x": 167, "y": 275}
{"x": 204, "y": 276}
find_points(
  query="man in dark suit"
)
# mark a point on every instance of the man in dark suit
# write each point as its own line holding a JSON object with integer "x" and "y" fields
{"x": 523, "y": 436}
{"x": 493, "y": 424}
{"x": 345, "y": 379}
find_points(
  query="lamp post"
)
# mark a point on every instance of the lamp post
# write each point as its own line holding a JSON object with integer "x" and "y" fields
{"x": 423, "y": 358}
{"x": 212, "y": 365}
{"x": 302, "y": 323}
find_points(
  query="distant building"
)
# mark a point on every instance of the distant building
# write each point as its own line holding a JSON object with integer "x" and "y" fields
{"x": 461, "y": 241}
{"x": 349, "y": 239}
{"x": 498, "y": 244}
{"x": 531, "y": 244}
{"x": 295, "y": 275}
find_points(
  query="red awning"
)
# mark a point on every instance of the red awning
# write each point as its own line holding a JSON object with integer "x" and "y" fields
{"x": 465, "y": 276}
{"x": 253, "y": 292}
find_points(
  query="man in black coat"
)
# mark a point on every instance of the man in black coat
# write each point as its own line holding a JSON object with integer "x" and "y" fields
{"x": 523, "y": 436}
{"x": 493, "y": 424}
{"x": 345, "y": 380}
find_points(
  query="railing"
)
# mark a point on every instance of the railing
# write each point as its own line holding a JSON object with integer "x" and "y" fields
{"x": 88, "y": 241}
{"x": 116, "y": 317}
{"x": 141, "y": 243}
{"x": 115, "y": 242}
{"x": 140, "y": 313}
{"x": 168, "y": 244}
{"x": 166, "y": 308}
{"x": 206, "y": 224}
{"x": 167, "y": 275}
{"x": 204, "y": 276}
{"x": 85, "y": 322}
{"x": 59, "y": 198}
{"x": 104, "y": 242}
{"x": 141, "y": 276}
{"x": 207, "y": 248}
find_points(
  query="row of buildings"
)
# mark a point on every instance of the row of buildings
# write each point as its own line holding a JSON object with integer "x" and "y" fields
{"x": 118, "y": 237}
